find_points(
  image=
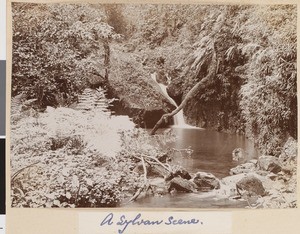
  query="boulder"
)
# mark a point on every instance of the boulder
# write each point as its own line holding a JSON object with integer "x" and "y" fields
{"x": 206, "y": 181}
{"x": 178, "y": 173}
{"x": 250, "y": 186}
{"x": 181, "y": 185}
{"x": 232, "y": 180}
{"x": 228, "y": 185}
{"x": 139, "y": 98}
{"x": 156, "y": 170}
{"x": 243, "y": 168}
{"x": 269, "y": 163}
{"x": 174, "y": 90}
{"x": 183, "y": 174}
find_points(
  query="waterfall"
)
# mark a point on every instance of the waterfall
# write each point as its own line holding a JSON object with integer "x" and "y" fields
{"x": 178, "y": 118}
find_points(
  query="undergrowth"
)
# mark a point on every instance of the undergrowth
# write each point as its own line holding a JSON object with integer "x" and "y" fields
{"x": 76, "y": 158}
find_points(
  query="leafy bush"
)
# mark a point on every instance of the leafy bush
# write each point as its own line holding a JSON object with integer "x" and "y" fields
{"x": 88, "y": 161}
{"x": 58, "y": 159}
{"x": 56, "y": 49}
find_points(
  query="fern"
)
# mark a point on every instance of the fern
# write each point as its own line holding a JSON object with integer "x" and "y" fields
{"x": 16, "y": 104}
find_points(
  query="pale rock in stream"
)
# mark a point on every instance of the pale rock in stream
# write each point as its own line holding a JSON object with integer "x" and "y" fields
{"x": 243, "y": 168}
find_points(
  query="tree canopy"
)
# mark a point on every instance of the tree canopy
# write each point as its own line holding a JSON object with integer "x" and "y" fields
{"x": 59, "y": 49}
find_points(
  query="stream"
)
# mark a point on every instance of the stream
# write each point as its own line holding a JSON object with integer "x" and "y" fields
{"x": 211, "y": 152}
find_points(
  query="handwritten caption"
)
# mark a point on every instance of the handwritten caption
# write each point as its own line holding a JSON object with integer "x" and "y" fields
{"x": 158, "y": 222}
{"x": 138, "y": 220}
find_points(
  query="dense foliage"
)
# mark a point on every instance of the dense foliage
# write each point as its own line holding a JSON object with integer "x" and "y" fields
{"x": 62, "y": 52}
{"x": 254, "y": 91}
{"x": 57, "y": 50}
{"x": 269, "y": 97}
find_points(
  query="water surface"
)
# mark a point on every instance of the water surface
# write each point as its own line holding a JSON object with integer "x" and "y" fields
{"x": 212, "y": 152}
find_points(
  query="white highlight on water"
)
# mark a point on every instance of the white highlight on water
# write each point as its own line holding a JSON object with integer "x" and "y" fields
{"x": 179, "y": 121}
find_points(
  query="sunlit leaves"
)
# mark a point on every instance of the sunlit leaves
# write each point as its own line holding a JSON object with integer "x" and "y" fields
{"x": 68, "y": 173}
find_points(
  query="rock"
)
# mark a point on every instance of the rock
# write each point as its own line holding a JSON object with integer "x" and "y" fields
{"x": 289, "y": 169}
{"x": 290, "y": 147}
{"x": 232, "y": 180}
{"x": 49, "y": 109}
{"x": 238, "y": 154}
{"x": 274, "y": 167}
{"x": 254, "y": 161}
{"x": 152, "y": 171}
{"x": 228, "y": 185}
{"x": 243, "y": 168}
{"x": 262, "y": 173}
{"x": 164, "y": 158}
{"x": 269, "y": 163}
{"x": 272, "y": 176}
{"x": 174, "y": 90}
{"x": 156, "y": 170}
{"x": 169, "y": 176}
{"x": 183, "y": 174}
{"x": 250, "y": 186}
{"x": 289, "y": 150}
{"x": 182, "y": 185}
{"x": 178, "y": 173}
{"x": 129, "y": 47}
{"x": 145, "y": 104}
{"x": 206, "y": 181}
{"x": 95, "y": 81}
{"x": 159, "y": 182}
{"x": 158, "y": 186}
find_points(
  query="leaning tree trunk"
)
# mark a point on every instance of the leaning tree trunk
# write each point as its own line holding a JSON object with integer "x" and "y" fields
{"x": 202, "y": 83}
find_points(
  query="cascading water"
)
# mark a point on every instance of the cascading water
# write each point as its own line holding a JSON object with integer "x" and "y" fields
{"x": 178, "y": 118}
{"x": 212, "y": 152}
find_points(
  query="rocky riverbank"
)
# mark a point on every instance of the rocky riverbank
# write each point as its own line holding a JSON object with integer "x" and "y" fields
{"x": 268, "y": 182}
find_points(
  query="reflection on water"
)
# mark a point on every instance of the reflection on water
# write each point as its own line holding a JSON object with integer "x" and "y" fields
{"x": 212, "y": 152}
{"x": 188, "y": 200}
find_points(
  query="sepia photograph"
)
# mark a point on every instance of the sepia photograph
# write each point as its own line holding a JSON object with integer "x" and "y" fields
{"x": 153, "y": 106}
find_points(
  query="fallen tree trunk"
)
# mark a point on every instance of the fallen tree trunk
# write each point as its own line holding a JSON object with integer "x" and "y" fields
{"x": 202, "y": 83}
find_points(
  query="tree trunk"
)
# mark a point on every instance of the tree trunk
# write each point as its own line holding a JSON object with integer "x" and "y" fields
{"x": 106, "y": 58}
{"x": 202, "y": 83}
